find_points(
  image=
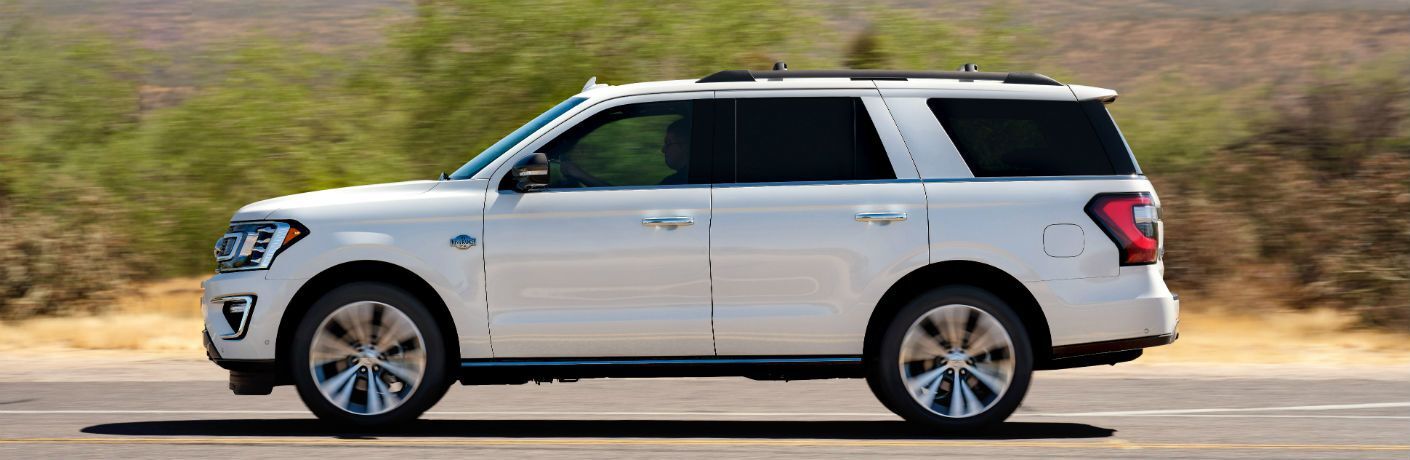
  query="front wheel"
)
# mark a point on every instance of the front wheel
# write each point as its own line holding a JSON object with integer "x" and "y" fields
{"x": 369, "y": 355}
{"x": 955, "y": 358}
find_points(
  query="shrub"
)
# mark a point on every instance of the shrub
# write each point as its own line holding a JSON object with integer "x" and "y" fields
{"x": 47, "y": 267}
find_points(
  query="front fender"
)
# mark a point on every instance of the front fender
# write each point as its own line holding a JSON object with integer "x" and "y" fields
{"x": 456, "y": 275}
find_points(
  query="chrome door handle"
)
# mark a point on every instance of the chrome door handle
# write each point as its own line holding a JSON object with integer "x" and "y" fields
{"x": 881, "y": 216}
{"x": 668, "y": 221}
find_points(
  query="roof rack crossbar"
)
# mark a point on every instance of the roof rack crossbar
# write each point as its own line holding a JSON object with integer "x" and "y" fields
{"x": 1020, "y": 78}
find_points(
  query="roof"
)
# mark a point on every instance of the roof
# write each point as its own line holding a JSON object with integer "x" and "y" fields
{"x": 1020, "y": 78}
{"x": 1015, "y": 84}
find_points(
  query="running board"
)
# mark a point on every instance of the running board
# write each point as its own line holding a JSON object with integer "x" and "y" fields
{"x": 519, "y": 370}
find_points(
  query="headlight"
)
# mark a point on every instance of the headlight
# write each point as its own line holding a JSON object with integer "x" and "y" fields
{"x": 253, "y": 245}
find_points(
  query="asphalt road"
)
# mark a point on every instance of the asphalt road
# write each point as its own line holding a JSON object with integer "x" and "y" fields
{"x": 1066, "y": 414}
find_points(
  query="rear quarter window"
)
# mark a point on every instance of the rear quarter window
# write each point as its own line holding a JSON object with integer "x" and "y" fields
{"x": 1021, "y": 138}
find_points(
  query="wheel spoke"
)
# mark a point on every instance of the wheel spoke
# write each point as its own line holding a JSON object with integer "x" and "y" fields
{"x": 995, "y": 383}
{"x": 970, "y": 401}
{"x": 971, "y": 320}
{"x": 921, "y": 350}
{"x": 924, "y": 379}
{"x": 409, "y": 376}
{"x": 375, "y": 390}
{"x": 361, "y": 316}
{"x": 389, "y": 398}
{"x": 393, "y": 335}
{"x": 375, "y": 323}
{"x": 338, "y": 388}
{"x": 327, "y": 351}
{"x": 956, "y": 401}
{"x": 982, "y": 340}
{"x": 930, "y": 391}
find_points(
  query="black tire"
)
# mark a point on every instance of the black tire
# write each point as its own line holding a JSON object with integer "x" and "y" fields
{"x": 885, "y": 373}
{"x": 436, "y": 378}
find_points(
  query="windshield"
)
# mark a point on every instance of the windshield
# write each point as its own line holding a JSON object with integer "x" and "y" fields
{"x": 494, "y": 151}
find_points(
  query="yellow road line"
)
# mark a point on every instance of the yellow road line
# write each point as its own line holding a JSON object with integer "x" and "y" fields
{"x": 423, "y": 442}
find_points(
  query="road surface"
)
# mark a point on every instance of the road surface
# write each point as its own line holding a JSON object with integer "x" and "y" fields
{"x": 1079, "y": 413}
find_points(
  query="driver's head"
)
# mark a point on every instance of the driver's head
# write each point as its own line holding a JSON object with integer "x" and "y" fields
{"x": 676, "y": 146}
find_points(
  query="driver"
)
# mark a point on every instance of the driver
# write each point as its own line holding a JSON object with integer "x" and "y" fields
{"x": 675, "y": 151}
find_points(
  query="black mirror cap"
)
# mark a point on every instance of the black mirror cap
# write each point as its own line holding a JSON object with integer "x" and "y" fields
{"x": 530, "y": 176}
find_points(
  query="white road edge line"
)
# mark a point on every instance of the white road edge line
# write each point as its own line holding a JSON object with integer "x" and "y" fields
{"x": 1210, "y": 412}
{"x": 1242, "y": 409}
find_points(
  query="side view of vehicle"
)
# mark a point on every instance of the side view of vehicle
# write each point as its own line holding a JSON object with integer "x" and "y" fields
{"x": 940, "y": 234}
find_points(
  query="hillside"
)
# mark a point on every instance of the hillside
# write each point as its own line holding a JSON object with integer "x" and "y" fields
{"x": 1112, "y": 43}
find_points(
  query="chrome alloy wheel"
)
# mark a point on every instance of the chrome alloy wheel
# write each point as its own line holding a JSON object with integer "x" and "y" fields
{"x": 367, "y": 358}
{"x": 957, "y": 361}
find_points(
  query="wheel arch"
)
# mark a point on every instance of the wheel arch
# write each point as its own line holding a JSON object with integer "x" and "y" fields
{"x": 962, "y": 272}
{"x": 355, "y": 271}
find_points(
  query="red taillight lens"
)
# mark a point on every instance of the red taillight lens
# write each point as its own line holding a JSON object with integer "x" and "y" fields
{"x": 1132, "y": 220}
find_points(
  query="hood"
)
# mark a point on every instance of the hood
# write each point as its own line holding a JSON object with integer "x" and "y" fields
{"x": 260, "y": 210}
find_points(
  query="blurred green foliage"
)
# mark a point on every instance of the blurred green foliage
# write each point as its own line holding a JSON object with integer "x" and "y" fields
{"x": 106, "y": 177}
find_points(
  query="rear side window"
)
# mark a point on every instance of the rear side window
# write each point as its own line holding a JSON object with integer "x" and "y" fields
{"x": 806, "y": 139}
{"x": 1017, "y": 138}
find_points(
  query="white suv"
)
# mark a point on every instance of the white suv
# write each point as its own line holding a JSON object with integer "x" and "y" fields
{"x": 940, "y": 234}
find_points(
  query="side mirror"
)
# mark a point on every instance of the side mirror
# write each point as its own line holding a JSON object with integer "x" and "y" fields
{"x": 532, "y": 176}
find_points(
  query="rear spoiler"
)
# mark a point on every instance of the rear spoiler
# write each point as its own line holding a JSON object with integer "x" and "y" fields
{"x": 1091, "y": 93}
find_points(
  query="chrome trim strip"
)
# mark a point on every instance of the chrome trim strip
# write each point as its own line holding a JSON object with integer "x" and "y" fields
{"x": 613, "y": 188}
{"x": 1035, "y": 178}
{"x": 880, "y": 216}
{"x": 249, "y": 299}
{"x": 659, "y": 361}
{"x": 815, "y": 182}
{"x": 668, "y": 221}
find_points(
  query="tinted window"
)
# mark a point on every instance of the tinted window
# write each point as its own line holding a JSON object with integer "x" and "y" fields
{"x": 1006, "y": 138}
{"x": 806, "y": 139}
{"x": 630, "y": 145}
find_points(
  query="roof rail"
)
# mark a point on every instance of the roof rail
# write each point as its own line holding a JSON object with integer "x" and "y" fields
{"x": 1019, "y": 78}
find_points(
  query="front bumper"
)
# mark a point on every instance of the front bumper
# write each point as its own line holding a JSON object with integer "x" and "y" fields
{"x": 247, "y": 377}
{"x": 262, "y": 328}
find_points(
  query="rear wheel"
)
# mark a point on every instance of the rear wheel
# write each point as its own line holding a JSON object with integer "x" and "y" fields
{"x": 954, "y": 358}
{"x": 369, "y": 354}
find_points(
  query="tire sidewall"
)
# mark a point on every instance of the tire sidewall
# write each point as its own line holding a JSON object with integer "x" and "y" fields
{"x": 434, "y": 382}
{"x": 885, "y": 374}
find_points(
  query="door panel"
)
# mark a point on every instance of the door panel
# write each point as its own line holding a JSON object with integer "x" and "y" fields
{"x": 578, "y": 273}
{"x": 613, "y": 258}
{"x": 796, "y": 272}
{"x": 799, "y": 262}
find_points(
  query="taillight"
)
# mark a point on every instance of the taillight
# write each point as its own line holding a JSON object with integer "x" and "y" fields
{"x": 1132, "y": 220}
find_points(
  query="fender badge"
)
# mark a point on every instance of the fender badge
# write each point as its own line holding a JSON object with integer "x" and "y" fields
{"x": 462, "y": 242}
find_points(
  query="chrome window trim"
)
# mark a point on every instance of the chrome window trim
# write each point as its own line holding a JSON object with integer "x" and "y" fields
{"x": 1037, "y": 178}
{"x": 817, "y": 182}
{"x": 249, "y": 299}
{"x": 609, "y": 188}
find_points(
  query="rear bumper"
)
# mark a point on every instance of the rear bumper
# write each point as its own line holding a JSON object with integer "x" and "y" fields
{"x": 1108, "y": 313}
{"x": 1113, "y": 346}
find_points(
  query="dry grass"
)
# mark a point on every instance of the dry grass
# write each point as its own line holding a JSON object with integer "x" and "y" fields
{"x": 1318, "y": 337}
{"x": 165, "y": 318}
